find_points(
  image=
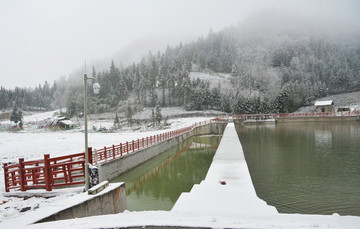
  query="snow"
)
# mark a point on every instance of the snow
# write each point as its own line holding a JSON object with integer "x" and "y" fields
{"x": 228, "y": 166}
{"x": 214, "y": 80}
{"x": 210, "y": 204}
{"x": 164, "y": 218}
{"x": 323, "y": 103}
{"x": 173, "y": 112}
{"x": 351, "y": 100}
{"x": 233, "y": 205}
{"x": 54, "y": 208}
{"x": 32, "y": 143}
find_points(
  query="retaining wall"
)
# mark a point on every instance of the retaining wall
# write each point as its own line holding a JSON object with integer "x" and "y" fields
{"x": 316, "y": 119}
{"x": 111, "y": 200}
{"x": 112, "y": 169}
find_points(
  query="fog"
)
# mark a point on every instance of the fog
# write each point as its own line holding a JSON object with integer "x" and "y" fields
{"x": 42, "y": 40}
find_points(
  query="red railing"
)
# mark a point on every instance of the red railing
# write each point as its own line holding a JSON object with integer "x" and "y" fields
{"x": 103, "y": 155}
{"x": 46, "y": 173}
{"x": 69, "y": 170}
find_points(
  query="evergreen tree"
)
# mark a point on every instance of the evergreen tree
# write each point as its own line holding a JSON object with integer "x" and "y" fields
{"x": 16, "y": 115}
{"x": 3, "y": 99}
{"x": 116, "y": 121}
{"x": 153, "y": 116}
{"x": 158, "y": 115}
{"x": 129, "y": 114}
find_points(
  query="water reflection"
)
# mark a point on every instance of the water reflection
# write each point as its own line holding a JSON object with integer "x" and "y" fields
{"x": 158, "y": 183}
{"x": 311, "y": 168}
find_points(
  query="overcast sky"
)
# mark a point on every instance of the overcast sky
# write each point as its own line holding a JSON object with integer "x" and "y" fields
{"x": 44, "y": 39}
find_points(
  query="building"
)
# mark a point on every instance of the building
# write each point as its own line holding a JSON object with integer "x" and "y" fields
{"x": 344, "y": 109}
{"x": 62, "y": 123}
{"x": 324, "y": 106}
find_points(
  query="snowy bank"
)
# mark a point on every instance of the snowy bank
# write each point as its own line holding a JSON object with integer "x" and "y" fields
{"x": 32, "y": 145}
{"x": 181, "y": 219}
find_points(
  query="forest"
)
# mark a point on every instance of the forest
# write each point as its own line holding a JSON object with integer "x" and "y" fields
{"x": 273, "y": 73}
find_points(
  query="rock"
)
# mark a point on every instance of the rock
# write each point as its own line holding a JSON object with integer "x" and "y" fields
{"x": 25, "y": 209}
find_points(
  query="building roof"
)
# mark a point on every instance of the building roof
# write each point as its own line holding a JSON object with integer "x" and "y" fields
{"x": 66, "y": 122}
{"x": 324, "y": 103}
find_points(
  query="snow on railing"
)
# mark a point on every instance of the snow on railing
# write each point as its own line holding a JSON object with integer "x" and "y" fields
{"x": 106, "y": 154}
{"x": 69, "y": 170}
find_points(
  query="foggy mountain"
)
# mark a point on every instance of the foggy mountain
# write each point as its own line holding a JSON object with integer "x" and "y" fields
{"x": 276, "y": 62}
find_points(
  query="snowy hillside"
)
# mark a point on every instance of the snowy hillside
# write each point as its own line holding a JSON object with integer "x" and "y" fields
{"x": 215, "y": 80}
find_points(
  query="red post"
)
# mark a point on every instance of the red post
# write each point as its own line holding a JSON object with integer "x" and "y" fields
{"x": 105, "y": 154}
{"x": 127, "y": 147}
{"x": 90, "y": 155}
{"x": 6, "y": 178}
{"x": 21, "y": 174}
{"x": 147, "y": 141}
{"x": 121, "y": 150}
{"x": 47, "y": 174}
{"x": 133, "y": 145}
{"x": 113, "y": 151}
{"x": 138, "y": 143}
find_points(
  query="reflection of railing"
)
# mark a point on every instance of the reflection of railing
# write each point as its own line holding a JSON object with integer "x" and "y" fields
{"x": 195, "y": 145}
{"x": 69, "y": 170}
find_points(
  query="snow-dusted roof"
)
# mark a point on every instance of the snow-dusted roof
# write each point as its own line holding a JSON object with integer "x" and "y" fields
{"x": 324, "y": 103}
{"x": 66, "y": 122}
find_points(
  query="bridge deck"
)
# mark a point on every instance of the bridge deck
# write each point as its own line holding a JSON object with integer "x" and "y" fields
{"x": 237, "y": 196}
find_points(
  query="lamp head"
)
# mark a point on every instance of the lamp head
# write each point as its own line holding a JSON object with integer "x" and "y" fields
{"x": 96, "y": 88}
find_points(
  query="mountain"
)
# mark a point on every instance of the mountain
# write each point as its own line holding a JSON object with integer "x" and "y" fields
{"x": 272, "y": 62}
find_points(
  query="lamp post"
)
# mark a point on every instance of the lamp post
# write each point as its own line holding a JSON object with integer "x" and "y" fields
{"x": 96, "y": 88}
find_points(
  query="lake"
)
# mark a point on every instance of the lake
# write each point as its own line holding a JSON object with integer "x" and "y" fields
{"x": 158, "y": 183}
{"x": 310, "y": 168}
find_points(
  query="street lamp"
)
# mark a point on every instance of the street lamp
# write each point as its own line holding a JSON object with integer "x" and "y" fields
{"x": 96, "y": 88}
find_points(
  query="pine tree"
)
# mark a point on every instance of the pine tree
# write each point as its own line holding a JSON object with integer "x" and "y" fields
{"x": 116, "y": 121}
{"x": 153, "y": 116}
{"x": 129, "y": 114}
{"x": 158, "y": 115}
{"x": 16, "y": 115}
{"x": 3, "y": 99}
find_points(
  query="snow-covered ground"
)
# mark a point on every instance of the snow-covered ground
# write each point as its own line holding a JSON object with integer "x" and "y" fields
{"x": 222, "y": 214}
{"x": 174, "y": 112}
{"x": 214, "y": 80}
{"x": 32, "y": 143}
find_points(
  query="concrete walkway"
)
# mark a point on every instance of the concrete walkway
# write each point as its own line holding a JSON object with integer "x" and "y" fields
{"x": 236, "y": 195}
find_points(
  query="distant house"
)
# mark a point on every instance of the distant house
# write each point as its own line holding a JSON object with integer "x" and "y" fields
{"x": 62, "y": 123}
{"x": 344, "y": 109}
{"x": 324, "y": 106}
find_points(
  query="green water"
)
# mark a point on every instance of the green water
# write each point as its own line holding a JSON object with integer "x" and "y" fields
{"x": 158, "y": 183}
{"x": 311, "y": 168}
